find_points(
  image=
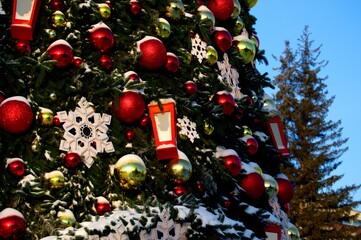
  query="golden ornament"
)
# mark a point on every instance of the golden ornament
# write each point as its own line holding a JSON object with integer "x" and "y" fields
{"x": 180, "y": 170}
{"x": 251, "y": 3}
{"x": 237, "y": 9}
{"x": 55, "y": 179}
{"x": 67, "y": 217}
{"x": 206, "y": 17}
{"x": 208, "y": 128}
{"x": 130, "y": 171}
{"x": 293, "y": 232}
{"x": 245, "y": 48}
{"x": 238, "y": 26}
{"x": 162, "y": 28}
{"x": 271, "y": 185}
{"x": 58, "y": 19}
{"x": 212, "y": 55}
{"x": 46, "y": 117}
{"x": 175, "y": 10}
{"x": 184, "y": 56}
{"x": 104, "y": 10}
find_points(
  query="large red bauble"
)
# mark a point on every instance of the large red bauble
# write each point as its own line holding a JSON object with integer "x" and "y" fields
{"x": 72, "y": 160}
{"x": 221, "y": 9}
{"x": 62, "y": 52}
{"x": 16, "y": 115}
{"x": 233, "y": 164}
{"x": 131, "y": 107}
{"x": 285, "y": 190}
{"x": 172, "y": 64}
{"x": 102, "y": 207}
{"x": 223, "y": 39}
{"x": 252, "y": 145}
{"x": 102, "y": 37}
{"x": 12, "y": 224}
{"x": 135, "y": 7}
{"x": 227, "y": 101}
{"x": 16, "y": 167}
{"x": 253, "y": 184}
{"x": 154, "y": 53}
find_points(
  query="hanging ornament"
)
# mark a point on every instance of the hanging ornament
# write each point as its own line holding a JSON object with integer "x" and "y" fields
{"x": 255, "y": 40}
{"x": 106, "y": 61}
{"x": 250, "y": 3}
{"x": 16, "y": 166}
{"x": 23, "y": 46}
{"x": 180, "y": 169}
{"x": 231, "y": 160}
{"x": 188, "y": 128}
{"x": 175, "y": 10}
{"x": 55, "y": 179}
{"x": 62, "y": 52}
{"x": 58, "y": 5}
{"x": 222, "y": 9}
{"x": 206, "y": 17}
{"x": 12, "y": 224}
{"x": 238, "y": 26}
{"x": 45, "y": 117}
{"x": 77, "y": 62}
{"x": 58, "y": 19}
{"x": 253, "y": 184}
{"x": 222, "y": 38}
{"x": 226, "y": 100}
{"x": 285, "y": 189}
{"x": 237, "y": 9}
{"x": 212, "y": 55}
{"x": 246, "y": 49}
{"x": 246, "y": 131}
{"x": 135, "y": 7}
{"x": 51, "y": 33}
{"x": 271, "y": 185}
{"x": 102, "y": 37}
{"x": 230, "y": 76}
{"x": 104, "y": 10}
{"x": 184, "y": 56}
{"x": 199, "y": 48}
{"x": 172, "y": 64}
{"x": 208, "y": 128}
{"x": 72, "y": 160}
{"x": 191, "y": 87}
{"x": 144, "y": 121}
{"x": 16, "y": 115}
{"x": 132, "y": 76}
{"x": 162, "y": 28}
{"x": 130, "y": 171}
{"x": 130, "y": 108}
{"x": 153, "y": 53}
{"x": 56, "y": 121}
{"x": 293, "y": 232}
{"x": 180, "y": 190}
{"x": 251, "y": 143}
{"x": 102, "y": 206}
{"x": 129, "y": 134}
{"x": 67, "y": 217}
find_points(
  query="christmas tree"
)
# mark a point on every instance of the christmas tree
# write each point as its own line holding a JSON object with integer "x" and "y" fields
{"x": 138, "y": 120}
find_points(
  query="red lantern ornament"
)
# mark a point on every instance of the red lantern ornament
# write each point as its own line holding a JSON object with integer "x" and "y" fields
{"x": 191, "y": 87}
{"x": 77, "y": 62}
{"x": 227, "y": 101}
{"x": 253, "y": 184}
{"x": 221, "y": 9}
{"x": 129, "y": 134}
{"x": 285, "y": 189}
{"x": 135, "y": 7}
{"x": 23, "y": 46}
{"x": 62, "y": 52}
{"x": 102, "y": 37}
{"x": 106, "y": 61}
{"x": 58, "y": 5}
{"x": 12, "y": 224}
{"x": 180, "y": 190}
{"x": 153, "y": 53}
{"x": 222, "y": 38}
{"x": 16, "y": 115}
{"x": 72, "y": 160}
{"x": 102, "y": 206}
{"x": 172, "y": 64}
{"x": 131, "y": 107}
{"x": 16, "y": 166}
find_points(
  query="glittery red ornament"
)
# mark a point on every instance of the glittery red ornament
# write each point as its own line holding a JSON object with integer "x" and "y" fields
{"x": 16, "y": 115}
{"x": 106, "y": 61}
{"x": 222, "y": 38}
{"x": 62, "y": 52}
{"x": 233, "y": 164}
{"x": 180, "y": 190}
{"x": 132, "y": 76}
{"x": 227, "y": 101}
{"x": 129, "y": 134}
{"x": 102, "y": 37}
{"x": 191, "y": 87}
{"x": 153, "y": 53}
{"x": 23, "y": 46}
{"x": 252, "y": 145}
{"x": 285, "y": 190}
{"x": 253, "y": 184}
{"x": 172, "y": 64}
{"x": 221, "y": 9}
{"x": 131, "y": 107}
{"x": 16, "y": 166}
{"x": 12, "y": 224}
{"x": 144, "y": 121}
{"x": 102, "y": 207}
{"x": 72, "y": 160}
{"x": 56, "y": 121}
{"x": 135, "y": 7}
{"x": 57, "y": 5}
{"x": 77, "y": 61}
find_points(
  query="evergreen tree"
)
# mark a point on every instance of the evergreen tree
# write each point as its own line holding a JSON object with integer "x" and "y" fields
{"x": 79, "y": 156}
{"x": 315, "y": 144}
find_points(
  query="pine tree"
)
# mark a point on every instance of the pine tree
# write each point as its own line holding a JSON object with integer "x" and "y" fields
{"x": 316, "y": 144}
{"x": 79, "y": 156}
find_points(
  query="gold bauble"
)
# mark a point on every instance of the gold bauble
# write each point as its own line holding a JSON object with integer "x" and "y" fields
{"x": 208, "y": 128}
{"x": 237, "y": 9}
{"x": 67, "y": 217}
{"x": 130, "y": 171}
{"x": 162, "y": 28}
{"x": 55, "y": 179}
{"x": 212, "y": 55}
{"x": 238, "y": 26}
{"x": 175, "y": 10}
{"x": 184, "y": 56}
{"x": 247, "y": 131}
{"x": 206, "y": 17}
{"x": 180, "y": 170}
{"x": 182, "y": 136}
{"x": 104, "y": 10}
{"x": 246, "y": 49}
{"x": 51, "y": 33}
{"x": 271, "y": 185}
{"x": 251, "y": 3}
{"x": 46, "y": 117}
{"x": 58, "y": 19}
{"x": 293, "y": 232}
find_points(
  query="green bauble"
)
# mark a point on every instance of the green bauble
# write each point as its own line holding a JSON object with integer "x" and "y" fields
{"x": 130, "y": 171}
{"x": 58, "y": 19}
{"x": 175, "y": 10}
{"x": 293, "y": 232}
{"x": 271, "y": 185}
{"x": 104, "y": 10}
{"x": 238, "y": 26}
{"x": 162, "y": 28}
{"x": 55, "y": 179}
{"x": 180, "y": 170}
{"x": 250, "y": 3}
{"x": 206, "y": 17}
{"x": 246, "y": 49}
{"x": 212, "y": 55}
{"x": 237, "y": 9}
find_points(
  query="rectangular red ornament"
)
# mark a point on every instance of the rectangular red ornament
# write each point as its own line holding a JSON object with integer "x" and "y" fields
{"x": 273, "y": 232}
{"x": 25, "y": 13}
{"x": 163, "y": 117}
{"x": 279, "y": 140}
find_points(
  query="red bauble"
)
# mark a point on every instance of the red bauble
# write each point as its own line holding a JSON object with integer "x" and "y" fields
{"x": 172, "y": 64}
{"x": 221, "y": 9}
{"x": 154, "y": 53}
{"x": 131, "y": 107}
{"x": 200, "y": 187}
{"x": 144, "y": 121}
{"x": 16, "y": 167}
{"x": 12, "y": 224}
{"x": 102, "y": 37}
{"x": 56, "y": 121}
{"x": 16, "y": 115}
{"x": 285, "y": 190}
{"x": 191, "y": 87}
{"x": 77, "y": 61}
{"x": 57, "y": 5}
{"x": 132, "y": 76}
{"x": 252, "y": 145}
{"x": 72, "y": 160}
{"x": 62, "y": 52}
{"x": 135, "y": 7}
{"x": 227, "y": 101}
{"x": 253, "y": 184}
{"x": 23, "y": 46}
{"x": 106, "y": 61}
{"x": 129, "y": 134}
{"x": 180, "y": 190}
{"x": 102, "y": 207}
{"x": 223, "y": 39}
{"x": 233, "y": 164}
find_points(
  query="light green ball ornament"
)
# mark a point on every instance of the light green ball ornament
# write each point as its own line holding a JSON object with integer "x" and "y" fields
{"x": 58, "y": 19}
{"x": 246, "y": 49}
{"x": 238, "y": 26}
{"x": 162, "y": 28}
{"x": 206, "y": 17}
{"x": 175, "y": 10}
{"x": 212, "y": 55}
{"x": 237, "y": 9}
{"x": 104, "y": 10}
{"x": 271, "y": 185}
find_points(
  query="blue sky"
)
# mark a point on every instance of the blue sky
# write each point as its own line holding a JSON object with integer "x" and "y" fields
{"x": 337, "y": 26}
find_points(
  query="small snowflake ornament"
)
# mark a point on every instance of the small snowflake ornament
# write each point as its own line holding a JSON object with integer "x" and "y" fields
{"x": 199, "y": 48}
{"x": 85, "y": 132}
{"x": 188, "y": 128}
{"x": 229, "y": 76}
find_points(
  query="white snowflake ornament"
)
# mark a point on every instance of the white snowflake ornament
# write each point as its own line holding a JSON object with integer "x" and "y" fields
{"x": 85, "y": 132}
{"x": 229, "y": 76}
{"x": 188, "y": 128}
{"x": 199, "y": 48}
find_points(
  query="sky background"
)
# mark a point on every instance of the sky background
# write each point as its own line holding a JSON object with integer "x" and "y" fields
{"x": 336, "y": 25}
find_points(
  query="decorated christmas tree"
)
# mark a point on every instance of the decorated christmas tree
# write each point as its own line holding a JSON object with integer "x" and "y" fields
{"x": 138, "y": 120}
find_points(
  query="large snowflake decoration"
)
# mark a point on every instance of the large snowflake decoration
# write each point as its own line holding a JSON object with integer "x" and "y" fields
{"x": 188, "y": 128}
{"x": 199, "y": 48}
{"x": 230, "y": 76}
{"x": 85, "y": 132}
